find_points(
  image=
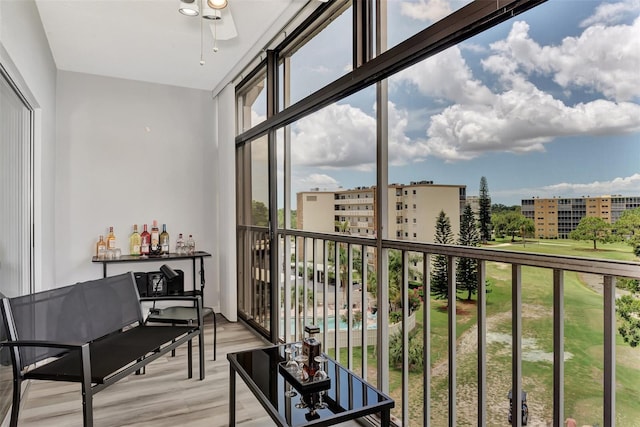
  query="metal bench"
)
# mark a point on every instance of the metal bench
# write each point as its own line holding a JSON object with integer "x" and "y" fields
{"x": 92, "y": 333}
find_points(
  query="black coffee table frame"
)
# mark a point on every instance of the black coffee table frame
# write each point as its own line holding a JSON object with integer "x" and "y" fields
{"x": 348, "y": 398}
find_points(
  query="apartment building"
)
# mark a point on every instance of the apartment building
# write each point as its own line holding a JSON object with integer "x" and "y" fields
{"x": 412, "y": 215}
{"x": 557, "y": 217}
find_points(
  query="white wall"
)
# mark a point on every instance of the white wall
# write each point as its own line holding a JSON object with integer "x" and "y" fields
{"x": 131, "y": 152}
{"x": 25, "y": 54}
{"x": 102, "y": 165}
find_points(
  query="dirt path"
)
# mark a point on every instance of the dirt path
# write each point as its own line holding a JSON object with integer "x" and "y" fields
{"x": 498, "y": 379}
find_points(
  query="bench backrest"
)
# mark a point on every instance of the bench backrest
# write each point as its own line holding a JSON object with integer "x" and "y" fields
{"x": 73, "y": 314}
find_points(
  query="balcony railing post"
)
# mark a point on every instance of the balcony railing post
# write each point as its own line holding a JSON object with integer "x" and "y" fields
{"x": 426, "y": 338}
{"x": 451, "y": 280}
{"x": 364, "y": 309}
{"x": 516, "y": 345}
{"x": 609, "y": 351}
{"x": 558, "y": 347}
{"x": 482, "y": 343}
{"x": 404, "y": 289}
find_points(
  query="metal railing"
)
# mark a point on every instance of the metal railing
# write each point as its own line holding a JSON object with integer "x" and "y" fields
{"x": 324, "y": 280}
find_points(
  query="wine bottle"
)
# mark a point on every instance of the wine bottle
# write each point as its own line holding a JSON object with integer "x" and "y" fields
{"x": 111, "y": 239}
{"x": 135, "y": 241}
{"x": 164, "y": 240}
{"x": 155, "y": 238}
{"x": 145, "y": 241}
{"x": 101, "y": 248}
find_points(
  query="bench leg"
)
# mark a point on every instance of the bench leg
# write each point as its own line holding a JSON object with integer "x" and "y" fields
{"x": 15, "y": 406}
{"x": 87, "y": 392}
{"x": 189, "y": 359}
{"x": 201, "y": 352}
{"x": 214, "y": 335}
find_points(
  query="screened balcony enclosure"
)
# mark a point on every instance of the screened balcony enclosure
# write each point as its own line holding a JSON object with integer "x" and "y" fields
{"x": 336, "y": 164}
{"x": 332, "y": 233}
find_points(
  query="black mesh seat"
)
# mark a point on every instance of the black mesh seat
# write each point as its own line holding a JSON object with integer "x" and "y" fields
{"x": 109, "y": 355}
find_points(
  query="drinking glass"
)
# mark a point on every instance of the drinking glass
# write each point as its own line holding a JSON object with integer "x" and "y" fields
{"x": 292, "y": 367}
{"x": 320, "y": 375}
{"x": 302, "y": 359}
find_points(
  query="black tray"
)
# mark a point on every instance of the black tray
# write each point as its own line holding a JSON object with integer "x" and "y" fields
{"x": 306, "y": 386}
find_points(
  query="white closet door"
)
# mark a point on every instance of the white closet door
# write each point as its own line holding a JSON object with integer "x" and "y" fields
{"x": 15, "y": 192}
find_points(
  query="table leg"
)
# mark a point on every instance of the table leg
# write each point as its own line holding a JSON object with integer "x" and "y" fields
{"x": 385, "y": 416}
{"x": 232, "y": 397}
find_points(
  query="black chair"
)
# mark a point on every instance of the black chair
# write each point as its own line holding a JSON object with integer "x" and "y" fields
{"x": 182, "y": 315}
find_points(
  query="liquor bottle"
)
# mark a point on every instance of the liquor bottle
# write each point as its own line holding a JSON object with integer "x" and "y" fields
{"x": 101, "y": 248}
{"x": 311, "y": 349}
{"x": 180, "y": 245}
{"x": 135, "y": 241}
{"x": 164, "y": 240}
{"x": 111, "y": 239}
{"x": 155, "y": 238}
{"x": 145, "y": 241}
{"x": 191, "y": 245}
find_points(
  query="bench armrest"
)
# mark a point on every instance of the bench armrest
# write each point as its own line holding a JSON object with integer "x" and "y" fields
{"x": 48, "y": 344}
{"x": 171, "y": 298}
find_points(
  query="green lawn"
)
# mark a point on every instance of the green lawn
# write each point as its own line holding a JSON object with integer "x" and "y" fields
{"x": 583, "y": 347}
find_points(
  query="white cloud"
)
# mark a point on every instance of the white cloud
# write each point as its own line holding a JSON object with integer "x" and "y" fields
{"x": 522, "y": 118}
{"x": 602, "y": 59}
{"x": 624, "y": 185}
{"x": 447, "y": 76}
{"x": 316, "y": 180}
{"x": 336, "y": 136}
{"x": 627, "y": 186}
{"x": 425, "y": 10}
{"x": 612, "y": 13}
{"x": 343, "y": 136}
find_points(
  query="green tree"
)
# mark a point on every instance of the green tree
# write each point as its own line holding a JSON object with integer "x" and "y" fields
{"x": 484, "y": 213}
{"x": 395, "y": 276}
{"x": 592, "y": 228}
{"x": 627, "y": 228}
{"x": 439, "y": 288}
{"x": 415, "y": 351}
{"x": 511, "y": 223}
{"x": 467, "y": 269}
{"x": 498, "y": 208}
{"x": 294, "y": 219}
{"x": 259, "y": 214}
{"x": 628, "y": 308}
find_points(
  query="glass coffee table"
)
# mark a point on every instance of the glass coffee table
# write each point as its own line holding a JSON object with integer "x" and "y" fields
{"x": 345, "y": 396}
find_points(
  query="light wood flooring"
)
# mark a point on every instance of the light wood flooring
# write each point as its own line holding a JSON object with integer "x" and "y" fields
{"x": 163, "y": 396}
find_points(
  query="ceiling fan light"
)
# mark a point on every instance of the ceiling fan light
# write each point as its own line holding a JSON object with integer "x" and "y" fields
{"x": 211, "y": 14}
{"x": 217, "y": 4}
{"x": 188, "y": 8}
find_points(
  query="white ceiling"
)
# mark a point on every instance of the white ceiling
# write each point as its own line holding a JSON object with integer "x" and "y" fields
{"x": 149, "y": 40}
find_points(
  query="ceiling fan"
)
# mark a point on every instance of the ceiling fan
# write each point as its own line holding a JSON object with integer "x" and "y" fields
{"x": 218, "y": 13}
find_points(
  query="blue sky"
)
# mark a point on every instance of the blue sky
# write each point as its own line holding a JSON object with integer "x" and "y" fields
{"x": 546, "y": 104}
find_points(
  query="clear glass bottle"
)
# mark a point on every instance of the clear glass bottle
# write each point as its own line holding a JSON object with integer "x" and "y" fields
{"x": 101, "y": 248}
{"x": 180, "y": 245}
{"x": 135, "y": 241}
{"x": 164, "y": 241}
{"x": 191, "y": 245}
{"x": 145, "y": 241}
{"x": 111, "y": 239}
